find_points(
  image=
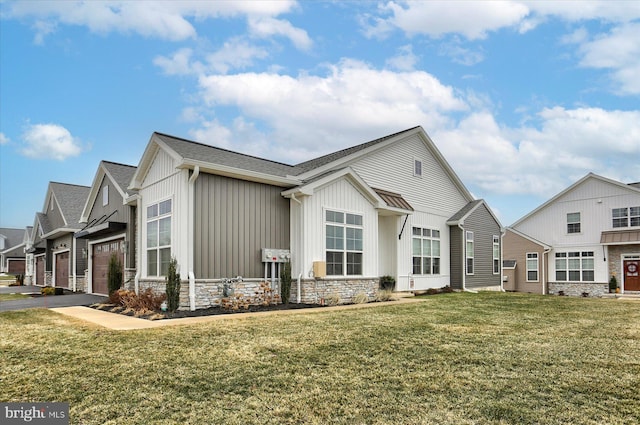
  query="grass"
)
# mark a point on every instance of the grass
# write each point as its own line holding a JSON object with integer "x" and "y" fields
{"x": 489, "y": 358}
{"x": 9, "y": 297}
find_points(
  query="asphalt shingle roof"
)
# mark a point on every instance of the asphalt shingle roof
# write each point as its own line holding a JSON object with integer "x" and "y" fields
{"x": 71, "y": 199}
{"x": 121, "y": 173}
{"x": 12, "y": 237}
{"x": 465, "y": 210}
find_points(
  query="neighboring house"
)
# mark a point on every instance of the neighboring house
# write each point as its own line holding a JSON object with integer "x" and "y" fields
{"x": 387, "y": 207}
{"x": 108, "y": 218}
{"x": 575, "y": 242}
{"x": 12, "y": 251}
{"x": 58, "y": 259}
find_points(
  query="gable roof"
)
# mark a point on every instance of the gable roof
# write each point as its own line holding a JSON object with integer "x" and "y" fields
{"x": 11, "y": 237}
{"x": 467, "y": 210}
{"x": 630, "y": 187}
{"x": 119, "y": 174}
{"x": 70, "y": 199}
{"x": 529, "y": 238}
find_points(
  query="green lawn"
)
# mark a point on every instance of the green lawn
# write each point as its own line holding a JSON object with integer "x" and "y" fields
{"x": 9, "y": 297}
{"x": 489, "y": 358}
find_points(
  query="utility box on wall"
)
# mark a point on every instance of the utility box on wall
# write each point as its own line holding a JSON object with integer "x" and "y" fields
{"x": 319, "y": 268}
{"x": 272, "y": 255}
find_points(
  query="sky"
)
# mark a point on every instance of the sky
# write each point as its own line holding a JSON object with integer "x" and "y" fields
{"x": 523, "y": 98}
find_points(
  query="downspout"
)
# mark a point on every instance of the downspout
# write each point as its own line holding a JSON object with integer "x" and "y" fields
{"x": 544, "y": 271}
{"x": 74, "y": 265}
{"x": 502, "y": 233}
{"x": 190, "y": 247}
{"x": 299, "y": 295}
{"x": 136, "y": 279}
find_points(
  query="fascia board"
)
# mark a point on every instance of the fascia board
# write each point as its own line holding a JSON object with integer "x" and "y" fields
{"x": 527, "y": 237}
{"x": 150, "y": 152}
{"x": 224, "y": 170}
{"x": 86, "y": 211}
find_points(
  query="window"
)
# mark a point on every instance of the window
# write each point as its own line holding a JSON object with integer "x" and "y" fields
{"x": 626, "y": 217}
{"x": 496, "y": 254}
{"x": 532, "y": 266}
{"x": 158, "y": 238}
{"x": 417, "y": 167}
{"x": 426, "y": 251}
{"x": 575, "y": 266}
{"x": 105, "y": 196}
{"x": 573, "y": 222}
{"x": 343, "y": 243}
{"x": 469, "y": 252}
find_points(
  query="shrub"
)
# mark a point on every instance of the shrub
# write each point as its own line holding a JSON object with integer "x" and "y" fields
{"x": 146, "y": 301}
{"x": 333, "y": 299}
{"x": 385, "y": 295}
{"x": 360, "y": 298}
{"x": 613, "y": 284}
{"x": 20, "y": 279}
{"x": 285, "y": 283}
{"x": 173, "y": 286}
{"x": 48, "y": 290}
{"x": 114, "y": 274}
{"x": 387, "y": 283}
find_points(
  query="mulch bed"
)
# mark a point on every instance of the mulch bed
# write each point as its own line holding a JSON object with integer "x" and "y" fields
{"x": 211, "y": 311}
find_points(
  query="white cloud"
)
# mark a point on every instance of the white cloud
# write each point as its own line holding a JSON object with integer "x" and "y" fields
{"x": 235, "y": 54}
{"x": 50, "y": 141}
{"x": 3, "y": 139}
{"x": 159, "y": 19}
{"x": 265, "y": 27}
{"x": 179, "y": 63}
{"x": 405, "y": 60}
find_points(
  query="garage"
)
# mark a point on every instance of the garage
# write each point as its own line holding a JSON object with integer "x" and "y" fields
{"x": 40, "y": 270}
{"x": 62, "y": 270}
{"x": 100, "y": 255}
{"x": 16, "y": 266}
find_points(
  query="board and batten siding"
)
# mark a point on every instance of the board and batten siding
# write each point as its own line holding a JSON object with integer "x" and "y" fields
{"x": 484, "y": 228}
{"x": 234, "y": 220}
{"x": 339, "y": 195}
{"x": 56, "y": 221}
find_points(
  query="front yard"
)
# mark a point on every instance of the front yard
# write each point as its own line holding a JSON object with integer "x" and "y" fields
{"x": 489, "y": 358}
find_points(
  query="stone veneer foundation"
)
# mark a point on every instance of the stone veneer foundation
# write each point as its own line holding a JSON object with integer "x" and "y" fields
{"x": 576, "y": 289}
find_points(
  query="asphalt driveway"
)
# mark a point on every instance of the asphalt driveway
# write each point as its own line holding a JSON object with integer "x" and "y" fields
{"x": 69, "y": 299}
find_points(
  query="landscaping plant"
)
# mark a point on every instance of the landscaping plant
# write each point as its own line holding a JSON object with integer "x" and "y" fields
{"x": 173, "y": 286}
{"x": 285, "y": 282}
{"x": 114, "y": 274}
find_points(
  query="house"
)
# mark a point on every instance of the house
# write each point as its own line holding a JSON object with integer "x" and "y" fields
{"x": 56, "y": 257}
{"x": 108, "y": 220}
{"x": 576, "y": 241}
{"x": 392, "y": 206}
{"x": 12, "y": 258}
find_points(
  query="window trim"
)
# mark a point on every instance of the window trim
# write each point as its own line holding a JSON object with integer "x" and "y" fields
{"x": 417, "y": 163}
{"x": 423, "y": 237}
{"x": 629, "y": 217}
{"x": 466, "y": 253}
{"x": 344, "y": 251}
{"x": 105, "y": 195}
{"x": 158, "y": 248}
{"x": 578, "y": 223}
{"x": 580, "y": 256}
{"x": 537, "y": 269}
{"x": 496, "y": 260}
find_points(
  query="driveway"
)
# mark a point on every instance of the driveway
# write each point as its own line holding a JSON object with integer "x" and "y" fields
{"x": 69, "y": 299}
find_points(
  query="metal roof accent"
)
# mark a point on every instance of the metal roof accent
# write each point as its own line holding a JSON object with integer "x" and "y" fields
{"x": 620, "y": 237}
{"x": 394, "y": 200}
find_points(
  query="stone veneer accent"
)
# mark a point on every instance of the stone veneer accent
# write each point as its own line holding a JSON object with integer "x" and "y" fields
{"x": 48, "y": 278}
{"x": 614, "y": 260}
{"x": 313, "y": 291}
{"x": 576, "y": 289}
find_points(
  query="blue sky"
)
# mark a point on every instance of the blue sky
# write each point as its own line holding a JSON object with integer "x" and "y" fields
{"x": 523, "y": 98}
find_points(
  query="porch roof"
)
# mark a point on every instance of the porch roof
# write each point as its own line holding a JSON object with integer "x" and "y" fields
{"x": 394, "y": 200}
{"x": 620, "y": 237}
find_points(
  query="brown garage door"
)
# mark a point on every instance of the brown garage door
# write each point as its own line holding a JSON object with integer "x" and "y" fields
{"x": 62, "y": 270}
{"x": 40, "y": 270}
{"x": 16, "y": 266}
{"x": 100, "y": 263}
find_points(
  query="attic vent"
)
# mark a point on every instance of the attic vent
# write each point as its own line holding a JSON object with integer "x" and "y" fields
{"x": 417, "y": 167}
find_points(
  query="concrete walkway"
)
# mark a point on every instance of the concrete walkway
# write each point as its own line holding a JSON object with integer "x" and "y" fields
{"x": 121, "y": 322}
{"x": 69, "y": 299}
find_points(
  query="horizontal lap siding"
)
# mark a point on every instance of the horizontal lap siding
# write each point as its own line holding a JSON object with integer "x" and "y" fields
{"x": 234, "y": 220}
{"x": 484, "y": 227}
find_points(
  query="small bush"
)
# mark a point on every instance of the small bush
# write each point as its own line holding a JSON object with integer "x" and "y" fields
{"x": 173, "y": 286}
{"x": 385, "y": 295}
{"x": 285, "y": 283}
{"x": 387, "y": 283}
{"x": 146, "y": 301}
{"x": 333, "y": 299}
{"x": 360, "y": 298}
{"x": 48, "y": 290}
{"x": 613, "y": 284}
{"x": 432, "y": 291}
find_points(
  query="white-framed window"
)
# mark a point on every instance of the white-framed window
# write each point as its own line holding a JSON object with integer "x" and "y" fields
{"x": 417, "y": 167}
{"x": 425, "y": 251}
{"x": 532, "y": 267}
{"x": 573, "y": 222}
{"x": 575, "y": 266}
{"x": 496, "y": 254}
{"x": 626, "y": 217}
{"x": 344, "y": 242}
{"x": 469, "y": 251}
{"x": 158, "y": 238}
{"x": 105, "y": 196}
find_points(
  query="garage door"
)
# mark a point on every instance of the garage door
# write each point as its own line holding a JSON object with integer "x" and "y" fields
{"x": 16, "y": 266}
{"x": 62, "y": 270}
{"x": 101, "y": 253}
{"x": 40, "y": 270}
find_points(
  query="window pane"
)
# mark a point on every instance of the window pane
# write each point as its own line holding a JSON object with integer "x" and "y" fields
{"x": 417, "y": 167}
{"x": 335, "y": 217}
{"x": 426, "y": 265}
{"x": 532, "y": 275}
{"x": 573, "y": 218}
{"x": 426, "y": 247}
{"x": 435, "y": 251}
{"x": 588, "y": 276}
{"x": 417, "y": 263}
{"x": 635, "y": 221}
{"x": 152, "y": 234}
{"x": 152, "y": 262}
{"x": 574, "y": 264}
{"x": 469, "y": 265}
{"x": 561, "y": 276}
{"x": 469, "y": 249}
{"x": 164, "y": 236}
{"x": 587, "y": 264}
{"x": 426, "y": 232}
{"x": 436, "y": 266}
{"x": 574, "y": 275}
{"x": 435, "y": 233}
{"x": 165, "y": 259}
{"x": 619, "y": 212}
{"x": 335, "y": 238}
{"x": 165, "y": 207}
{"x": 354, "y": 263}
{"x": 152, "y": 211}
{"x": 417, "y": 231}
{"x": 561, "y": 264}
{"x": 334, "y": 263}
{"x": 573, "y": 228}
{"x": 354, "y": 219}
{"x": 417, "y": 246}
{"x": 354, "y": 239}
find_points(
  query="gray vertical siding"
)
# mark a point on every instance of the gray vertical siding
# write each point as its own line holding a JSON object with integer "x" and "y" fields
{"x": 234, "y": 219}
{"x": 483, "y": 226}
{"x": 457, "y": 253}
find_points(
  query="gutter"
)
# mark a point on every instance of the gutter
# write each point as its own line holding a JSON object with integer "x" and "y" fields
{"x": 190, "y": 230}
{"x": 544, "y": 271}
{"x": 301, "y": 249}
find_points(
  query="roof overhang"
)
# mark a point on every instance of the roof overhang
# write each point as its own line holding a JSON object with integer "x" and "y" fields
{"x": 238, "y": 173}
{"x": 101, "y": 229}
{"x": 620, "y": 237}
{"x": 58, "y": 233}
